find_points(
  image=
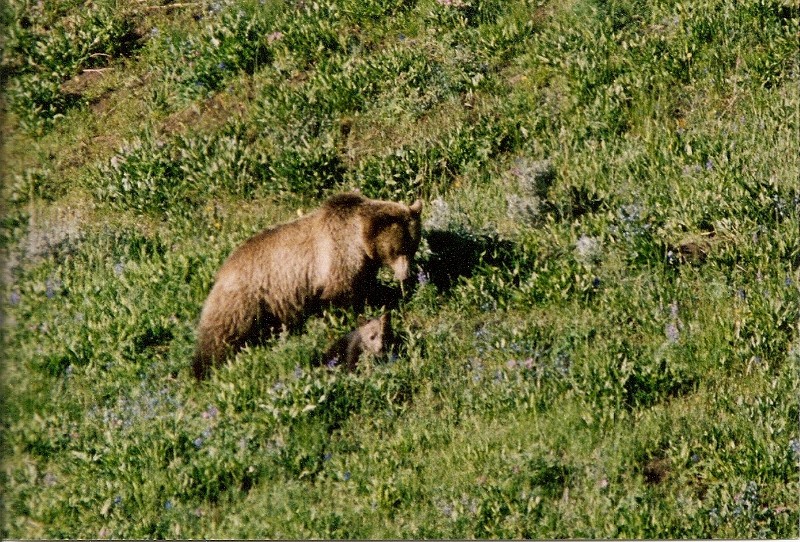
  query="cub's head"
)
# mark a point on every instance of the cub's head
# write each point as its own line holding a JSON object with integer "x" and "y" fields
{"x": 375, "y": 334}
{"x": 392, "y": 234}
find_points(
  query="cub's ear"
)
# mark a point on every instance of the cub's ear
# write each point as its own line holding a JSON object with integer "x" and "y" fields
{"x": 385, "y": 318}
{"x": 415, "y": 207}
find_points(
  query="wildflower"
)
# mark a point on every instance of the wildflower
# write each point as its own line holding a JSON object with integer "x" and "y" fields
{"x": 14, "y": 298}
{"x": 511, "y": 363}
{"x": 222, "y": 66}
{"x": 154, "y": 31}
{"x": 118, "y": 268}
{"x": 50, "y": 289}
{"x": 275, "y": 36}
{"x": 422, "y": 277}
{"x": 794, "y": 446}
{"x": 298, "y": 372}
{"x": 673, "y": 310}
{"x": 528, "y": 363}
{"x": 68, "y": 370}
{"x": 709, "y": 165}
{"x": 562, "y": 363}
{"x": 671, "y": 331}
{"x": 327, "y": 457}
{"x": 333, "y": 362}
{"x": 168, "y": 505}
{"x": 596, "y": 282}
{"x": 346, "y": 475}
{"x": 741, "y": 294}
{"x": 117, "y": 499}
{"x": 447, "y": 510}
{"x": 695, "y": 458}
{"x": 788, "y": 281}
{"x": 198, "y": 442}
{"x": 210, "y": 413}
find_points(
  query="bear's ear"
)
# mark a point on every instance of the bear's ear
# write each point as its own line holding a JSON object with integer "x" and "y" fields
{"x": 416, "y": 207}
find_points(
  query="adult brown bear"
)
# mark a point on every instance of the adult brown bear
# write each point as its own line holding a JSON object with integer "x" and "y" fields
{"x": 278, "y": 276}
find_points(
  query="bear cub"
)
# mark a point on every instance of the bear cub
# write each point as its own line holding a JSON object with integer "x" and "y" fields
{"x": 329, "y": 257}
{"x": 371, "y": 337}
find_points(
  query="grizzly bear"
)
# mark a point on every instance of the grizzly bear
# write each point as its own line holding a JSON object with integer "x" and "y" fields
{"x": 277, "y": 277}
{"x": 371, "y": 337}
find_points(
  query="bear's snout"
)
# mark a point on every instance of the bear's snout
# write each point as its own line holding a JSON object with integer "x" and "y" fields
{"x": 400, "y": 266}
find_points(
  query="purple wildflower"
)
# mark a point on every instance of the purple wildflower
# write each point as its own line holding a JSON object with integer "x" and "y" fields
{"x": 210, "y": 413}
{"x": 671, "y": 331}
{"x": 422, "y": 277}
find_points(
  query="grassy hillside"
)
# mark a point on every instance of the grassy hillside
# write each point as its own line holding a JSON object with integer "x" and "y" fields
{"x": 604, "y": 335}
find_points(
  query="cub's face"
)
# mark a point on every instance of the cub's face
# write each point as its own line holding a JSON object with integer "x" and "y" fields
{"x": 374, "y": 334}
{"x": 396, "y": 238}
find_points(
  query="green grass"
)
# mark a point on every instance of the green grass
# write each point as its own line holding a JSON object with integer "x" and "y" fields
{"x": 604, "y": 337}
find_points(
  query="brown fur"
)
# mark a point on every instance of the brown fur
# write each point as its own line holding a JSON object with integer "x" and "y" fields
{"x": 371, "y": 337}
{"x": 278, "y": 276}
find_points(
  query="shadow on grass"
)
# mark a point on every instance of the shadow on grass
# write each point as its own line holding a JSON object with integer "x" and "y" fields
{"x": 456, "y": 254}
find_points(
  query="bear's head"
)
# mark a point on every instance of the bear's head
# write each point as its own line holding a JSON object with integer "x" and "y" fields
{"x": 375, "y": 333}
{"x": 392, "y": 234}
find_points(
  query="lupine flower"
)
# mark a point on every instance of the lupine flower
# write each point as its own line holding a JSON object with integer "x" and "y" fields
{"x": 422, "y": 277}
{"x": 794, "y": 446}
{"x": 210, "y": 413}
{"x": 671, "y": 331}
